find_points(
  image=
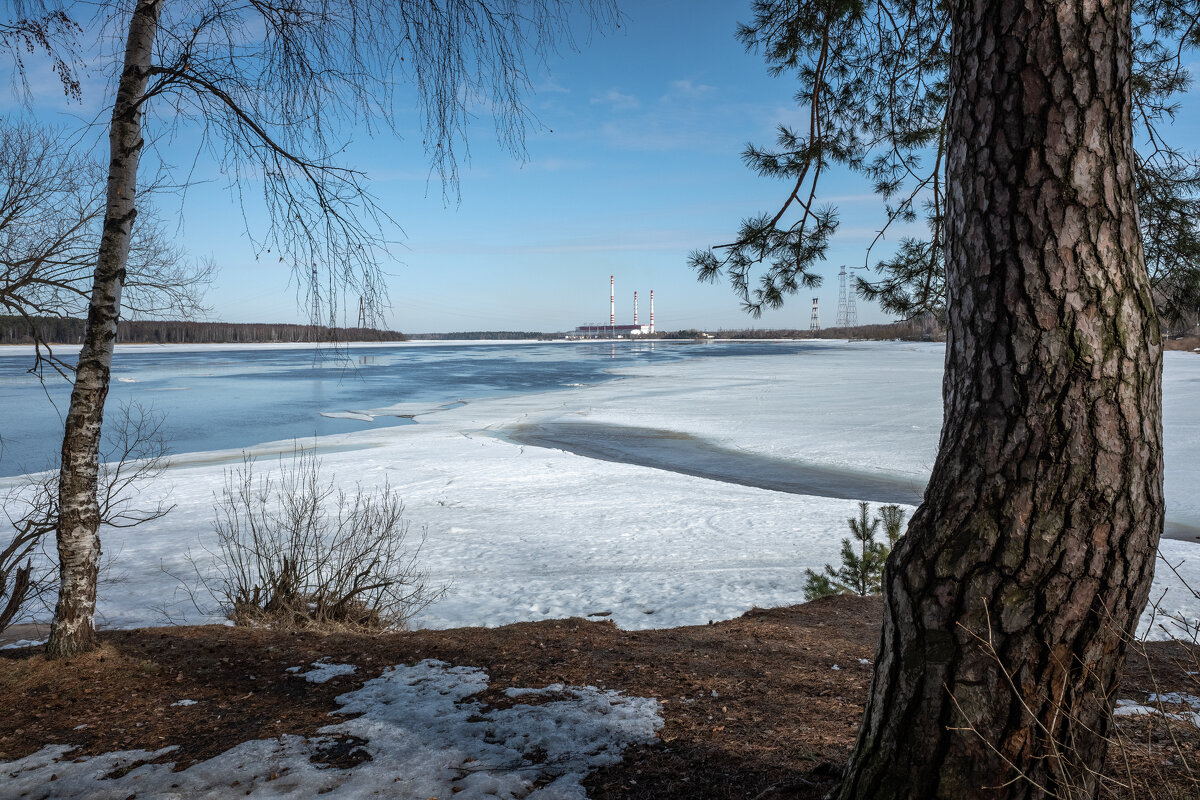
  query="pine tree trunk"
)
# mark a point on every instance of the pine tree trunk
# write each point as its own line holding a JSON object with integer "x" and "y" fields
{"x": 74, "y": 629}
{"x": 1032, "y": 555}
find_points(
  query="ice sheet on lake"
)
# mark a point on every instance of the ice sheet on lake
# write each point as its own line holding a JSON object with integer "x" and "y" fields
{"x": 522, "y": 532}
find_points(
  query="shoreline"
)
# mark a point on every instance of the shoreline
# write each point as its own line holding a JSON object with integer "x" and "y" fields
{"x": 532, "y": 532}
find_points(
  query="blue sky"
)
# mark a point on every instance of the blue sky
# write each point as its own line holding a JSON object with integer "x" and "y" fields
{"x": 642, "y": 165}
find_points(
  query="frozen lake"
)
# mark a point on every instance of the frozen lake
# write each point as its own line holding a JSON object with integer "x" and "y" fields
{"x": 628, "y": 481}
{"x": 229, "y": 396}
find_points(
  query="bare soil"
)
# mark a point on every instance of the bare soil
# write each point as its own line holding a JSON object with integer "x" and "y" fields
{"x": 1189, "y": 343}
{"x": 766, "y": 705}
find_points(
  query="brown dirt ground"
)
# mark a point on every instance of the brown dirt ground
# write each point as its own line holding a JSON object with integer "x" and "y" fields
{"x": 1190, "y": 343}
{"x": 752, "y": 706}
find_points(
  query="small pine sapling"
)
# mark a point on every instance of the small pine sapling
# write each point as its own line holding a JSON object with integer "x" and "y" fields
{"x": 893, "y": 523}
{"x": 861, "y": 572}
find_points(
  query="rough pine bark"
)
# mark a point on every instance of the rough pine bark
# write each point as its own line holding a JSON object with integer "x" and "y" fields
{"x": 74, "y": 630}
{"x": 1032, "y": 555}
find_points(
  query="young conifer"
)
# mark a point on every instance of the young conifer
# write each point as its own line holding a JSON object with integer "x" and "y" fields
{"x": 861, "y": 571}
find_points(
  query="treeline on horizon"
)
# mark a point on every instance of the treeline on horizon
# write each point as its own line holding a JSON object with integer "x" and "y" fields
{"x": 923, "y": 328}
{"x": 17, "y": 330}
{"x": 499, "y": 335}
{"x": 54, "y": 330}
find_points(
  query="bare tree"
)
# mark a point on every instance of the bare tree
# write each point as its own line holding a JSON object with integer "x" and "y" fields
{"x": 51, "y": 210}
{"x": 135, "y": 457}
{"x": 34, "y": 29}
{"x": 271, "y": 87}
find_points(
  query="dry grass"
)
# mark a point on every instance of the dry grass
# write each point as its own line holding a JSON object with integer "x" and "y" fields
{"x": 750, "y": 704}
{"x": 1189, "y": 343}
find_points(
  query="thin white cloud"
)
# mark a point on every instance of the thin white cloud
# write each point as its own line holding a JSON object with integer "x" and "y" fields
{"x": 686, "y": 89}
{"x": 617, "y": 100}
{"x": 550, "y": 86}
{"x": 555, "y": 164}
{"x": 664, "y": 240}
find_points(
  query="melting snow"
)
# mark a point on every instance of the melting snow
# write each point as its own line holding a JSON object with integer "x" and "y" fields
{"x": 1132, "y": 708}
{"x": 322, "y": 671}
{"x": 419, "y": 735}
{"x": 23, "y": 643}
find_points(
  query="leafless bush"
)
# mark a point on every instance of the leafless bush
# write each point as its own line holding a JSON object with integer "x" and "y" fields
{"x": 293, "y": 550}
{"x": 136, "y": 454}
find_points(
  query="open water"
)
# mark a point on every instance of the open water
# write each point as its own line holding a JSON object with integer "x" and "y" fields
{"x": 226, "y": 398}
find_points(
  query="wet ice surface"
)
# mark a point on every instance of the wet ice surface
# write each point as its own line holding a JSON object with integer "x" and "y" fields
{"x": 691, "y": 455}
{"x": 520, "y": 532}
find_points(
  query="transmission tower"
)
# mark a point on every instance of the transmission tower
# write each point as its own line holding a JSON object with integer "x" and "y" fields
{"x": 362, "y": 313}
{"x": 851, "y": 311}
{"x": 315, "y": 313}
{"x": 847, "y": 316}
{"x": 815, "y": 322}
{"x": 841, "y": 315}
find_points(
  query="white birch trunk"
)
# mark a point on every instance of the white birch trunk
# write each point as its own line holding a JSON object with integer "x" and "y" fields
{"x": 74, "y": 628}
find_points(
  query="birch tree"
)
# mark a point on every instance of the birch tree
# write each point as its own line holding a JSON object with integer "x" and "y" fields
{"x": 274, "y": 89}
{"x": 1010, "y": 126}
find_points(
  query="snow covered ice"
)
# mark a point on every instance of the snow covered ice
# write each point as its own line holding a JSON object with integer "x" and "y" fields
{"x": 519, "y": 532}
{"x": 420, "y": 733}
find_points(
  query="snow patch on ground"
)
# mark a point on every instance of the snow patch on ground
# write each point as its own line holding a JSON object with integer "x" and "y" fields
{"x": 322, "y": 671}
{"x": 1176, "y": 698}
{"x": 1132, "y": 708}
{"x": 19, "y": 643}
{"x": 420, "y": 735}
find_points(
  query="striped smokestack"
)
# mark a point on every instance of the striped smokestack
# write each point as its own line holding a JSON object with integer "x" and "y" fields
{"x": 612, "y": 300}
{"x": 652, "y": 311}
{"x": 635, "y": 308}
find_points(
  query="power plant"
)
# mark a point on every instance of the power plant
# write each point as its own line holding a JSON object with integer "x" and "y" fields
{"x": 612, "y": 330}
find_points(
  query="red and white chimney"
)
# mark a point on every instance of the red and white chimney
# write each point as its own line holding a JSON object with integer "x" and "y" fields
{"x": 612, "y": 300}
{"x": 635, "y": 308}
{"x": 652, "y": 311}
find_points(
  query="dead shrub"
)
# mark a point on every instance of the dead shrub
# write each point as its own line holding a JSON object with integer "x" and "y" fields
{"x": 295, "y": 550}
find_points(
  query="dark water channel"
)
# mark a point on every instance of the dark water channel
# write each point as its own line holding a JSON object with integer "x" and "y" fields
{"x": 691, "y": 455}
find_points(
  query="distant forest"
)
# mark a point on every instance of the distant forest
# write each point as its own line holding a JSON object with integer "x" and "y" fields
{"x": 15, "y": 330}
{"x": 500, "y": 335}
{"x": 924, "y": 328}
